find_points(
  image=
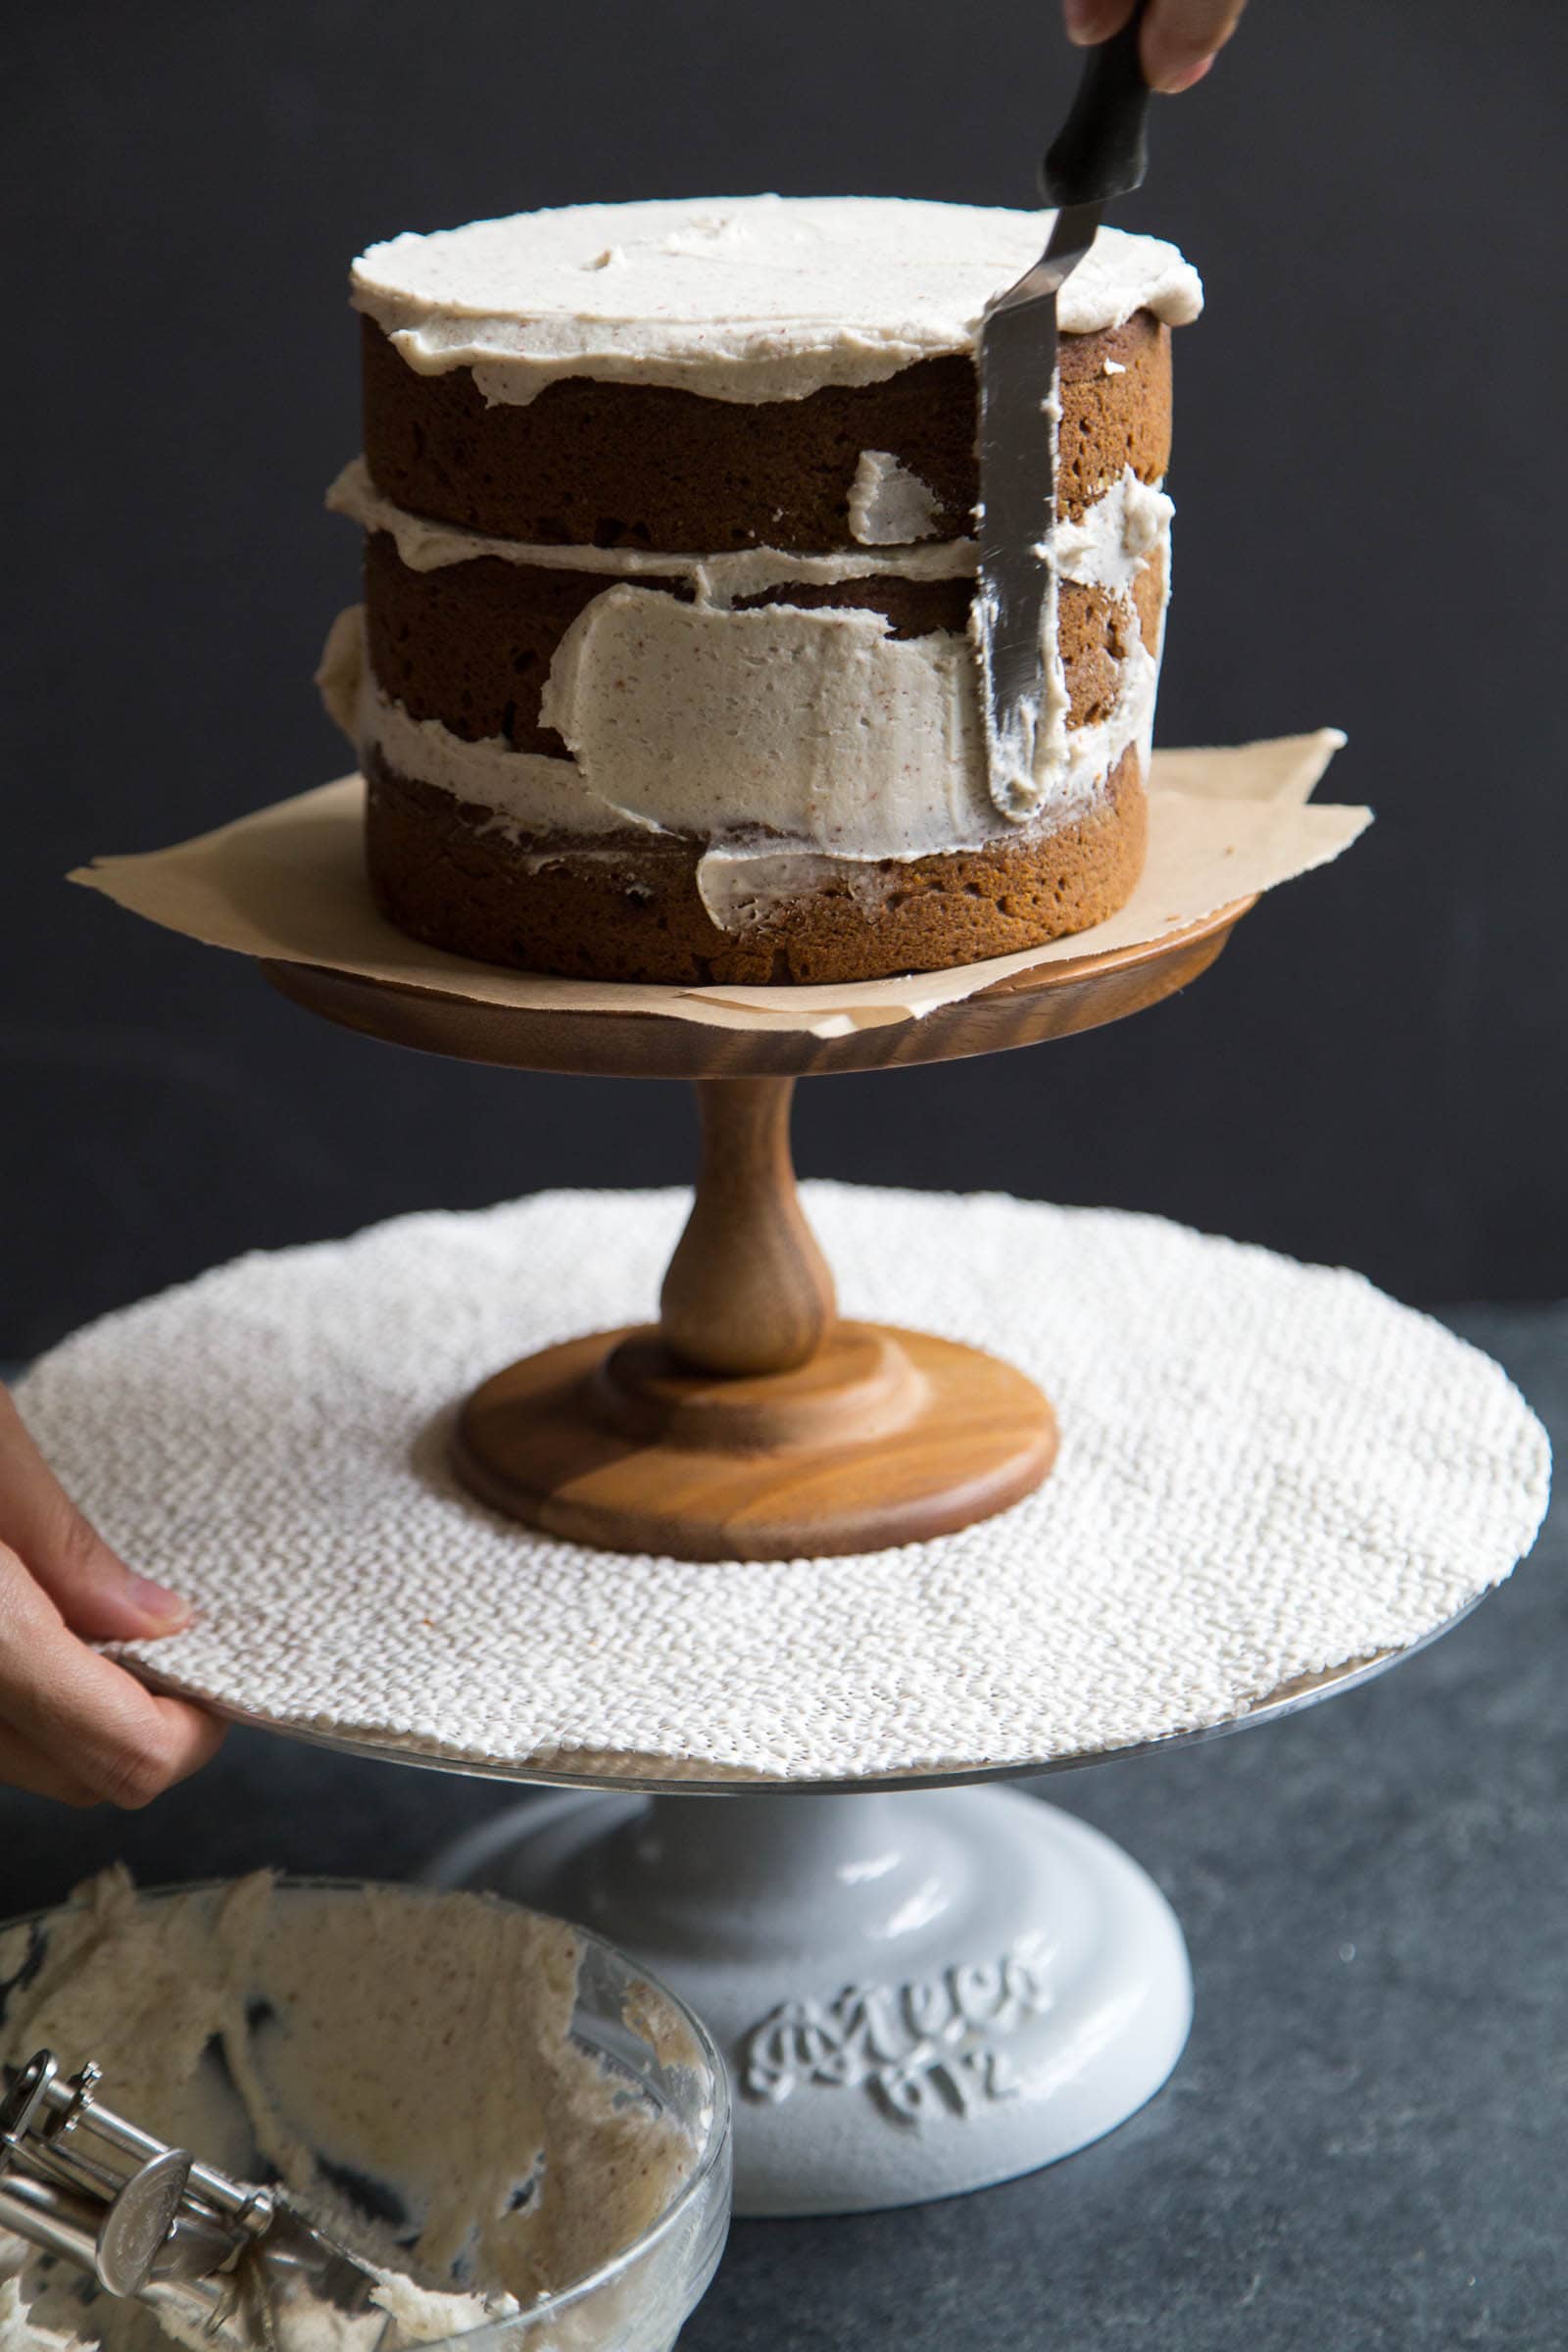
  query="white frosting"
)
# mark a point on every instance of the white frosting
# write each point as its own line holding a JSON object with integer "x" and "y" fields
{"x": 425, "y": 546}
{"x": 1103, "y": 549}
{"x": 889, "y": 506}
{"x": 1116, "y": 536}
{"x": 340, "y": 673}
{"x": 529, "y": 792}
{"x": 749, "y": 297}
{"x": 816, "y": 725}
{"x": 308, "y": 1999}
{"x": 741, "y": 884}
{"x": 791, "y": 742}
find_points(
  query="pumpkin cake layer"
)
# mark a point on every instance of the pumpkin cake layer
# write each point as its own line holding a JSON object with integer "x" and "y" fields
{"x": 666, "y": 668}
{"x": 622, "y": 464}
{"x": 630, "y": 910}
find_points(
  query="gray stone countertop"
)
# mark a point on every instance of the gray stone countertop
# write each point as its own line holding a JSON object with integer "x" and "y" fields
{"x": 1365, "y": 2148}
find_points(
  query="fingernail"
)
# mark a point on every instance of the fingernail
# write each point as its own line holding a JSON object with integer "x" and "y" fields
{"x": 164, "y": 1608}
{"x": 1084, "y": 19}
{"x": 1185, "y": 77}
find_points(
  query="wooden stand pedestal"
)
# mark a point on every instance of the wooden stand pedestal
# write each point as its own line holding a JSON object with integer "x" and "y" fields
{"x": 749, "y": 1423}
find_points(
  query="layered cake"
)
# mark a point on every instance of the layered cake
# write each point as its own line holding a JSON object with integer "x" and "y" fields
{"x": 667, "y": 668}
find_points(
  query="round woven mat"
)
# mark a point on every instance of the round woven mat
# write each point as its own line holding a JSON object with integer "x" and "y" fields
{"x": 1266, "y": 1470}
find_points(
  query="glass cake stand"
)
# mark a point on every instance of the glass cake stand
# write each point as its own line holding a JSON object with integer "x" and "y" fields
{"x": 922, "y": 1984}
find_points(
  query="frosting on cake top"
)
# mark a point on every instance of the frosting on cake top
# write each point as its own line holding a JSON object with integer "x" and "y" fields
{"x": 748, "y": 298}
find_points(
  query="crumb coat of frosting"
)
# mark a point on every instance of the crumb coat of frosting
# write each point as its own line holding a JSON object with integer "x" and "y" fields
{"x": 773, "y": 735}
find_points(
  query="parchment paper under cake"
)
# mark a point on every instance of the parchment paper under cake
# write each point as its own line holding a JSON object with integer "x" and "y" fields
{"x": 288, "y": 883}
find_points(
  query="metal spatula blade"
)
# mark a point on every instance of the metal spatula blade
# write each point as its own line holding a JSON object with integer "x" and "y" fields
{"x": 1101, "y": 153}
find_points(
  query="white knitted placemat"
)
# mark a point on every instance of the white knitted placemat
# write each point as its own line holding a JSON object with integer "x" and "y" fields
{"x": 1266, "y": 1470}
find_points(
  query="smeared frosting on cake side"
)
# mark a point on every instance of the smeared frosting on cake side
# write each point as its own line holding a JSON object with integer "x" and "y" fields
{"x": 889, "y": 506}
{"x": 789, "y": 740}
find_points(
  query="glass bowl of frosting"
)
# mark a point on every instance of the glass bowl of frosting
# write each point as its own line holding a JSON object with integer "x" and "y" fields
{"x": 525, "y": 2134}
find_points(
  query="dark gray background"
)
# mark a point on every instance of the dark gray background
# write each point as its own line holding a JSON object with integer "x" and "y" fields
{"x": 1369, "y": 535}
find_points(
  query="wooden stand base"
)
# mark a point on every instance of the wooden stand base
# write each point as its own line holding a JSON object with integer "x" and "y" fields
{"x": 749, "y": 1423}
{"x": 882, "y": 1437}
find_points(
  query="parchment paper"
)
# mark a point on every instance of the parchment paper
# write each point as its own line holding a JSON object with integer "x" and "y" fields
{"x": 288, "y": 883}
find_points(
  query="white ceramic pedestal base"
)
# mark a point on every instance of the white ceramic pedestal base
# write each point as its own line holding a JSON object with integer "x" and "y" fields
{"x": 917, "y": 1994}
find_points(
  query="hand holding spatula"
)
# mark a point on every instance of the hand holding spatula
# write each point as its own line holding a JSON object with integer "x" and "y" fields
{"x": 1180, "y": 39}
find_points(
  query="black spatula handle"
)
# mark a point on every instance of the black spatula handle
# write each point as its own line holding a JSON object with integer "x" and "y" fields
{"x": 1103, "y": 148}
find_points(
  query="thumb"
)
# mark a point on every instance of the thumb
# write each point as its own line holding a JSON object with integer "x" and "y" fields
{"x": 95, "y": 1593}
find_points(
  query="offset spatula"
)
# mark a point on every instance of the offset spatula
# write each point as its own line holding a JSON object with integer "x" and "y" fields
{"x": 1099, "y": 154}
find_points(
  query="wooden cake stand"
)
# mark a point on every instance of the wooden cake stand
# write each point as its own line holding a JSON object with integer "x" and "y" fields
{"x": 750, "y": 1422}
